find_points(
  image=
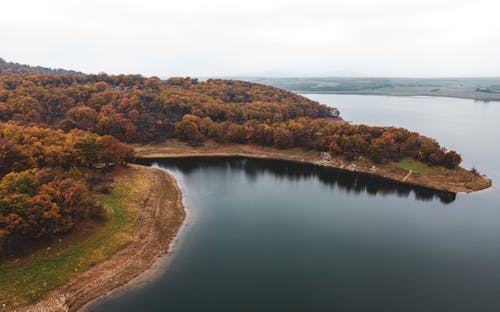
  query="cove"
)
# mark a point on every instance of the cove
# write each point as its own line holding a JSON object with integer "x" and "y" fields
{"x": 276, "y": 236}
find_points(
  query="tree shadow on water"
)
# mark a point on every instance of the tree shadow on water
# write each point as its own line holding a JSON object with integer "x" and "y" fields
{"x": 349, "y": 182}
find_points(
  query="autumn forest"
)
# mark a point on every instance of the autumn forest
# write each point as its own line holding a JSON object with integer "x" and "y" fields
{"x": 57, "y": 127}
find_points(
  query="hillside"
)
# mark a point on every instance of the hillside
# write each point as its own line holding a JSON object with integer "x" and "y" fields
{"x": 137, "y": 109}
{"x": 69, "y": 123}
{"x": 21, "y": 69}
{"x": 64, "y": 175}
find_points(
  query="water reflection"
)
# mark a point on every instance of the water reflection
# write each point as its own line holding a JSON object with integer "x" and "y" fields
{"x": 346, "y": 181}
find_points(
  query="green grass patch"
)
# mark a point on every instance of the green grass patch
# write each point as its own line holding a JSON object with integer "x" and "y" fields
{"x": 34, "y": 276}
{"x": 414, "y": 165}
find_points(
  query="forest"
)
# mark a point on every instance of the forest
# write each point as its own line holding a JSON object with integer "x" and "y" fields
{"x": 55, "y": 125}
{"x": 133, "y": 108}
{"x": 44, "y": 180}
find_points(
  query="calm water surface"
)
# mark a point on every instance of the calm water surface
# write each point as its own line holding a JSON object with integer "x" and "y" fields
{"x": 274, "y": 236}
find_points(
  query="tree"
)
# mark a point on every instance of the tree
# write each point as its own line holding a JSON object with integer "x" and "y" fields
{"x": 386, "y": 144}
{"x": 12, "y": 158}
{"x": 87, "y": 148}
{"x": 187, "y": 130}
{"x": 452, "y": 159}
{"x": 237, "y": 134}
{"x": 81, "y": 117}
{"x": 282, "y": 138}
{"x": 25, "y": 109}
{"x": 113, "y": 152}
{"x": 41, "y": 203}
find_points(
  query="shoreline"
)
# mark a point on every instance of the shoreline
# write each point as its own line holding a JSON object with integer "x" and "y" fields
{"x": 159, "y": 265}
{"x": 452, "y": 96}
{"x": 87, "y": 290}
{"x": 457, "y": 180}
{"x": 138, "y": 262}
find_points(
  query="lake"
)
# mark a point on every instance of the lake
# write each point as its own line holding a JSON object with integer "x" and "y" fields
{"x": 275, "y": 236}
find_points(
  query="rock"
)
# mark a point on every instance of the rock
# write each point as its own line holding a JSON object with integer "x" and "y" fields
{"x": 325, "y": 156}
{"x": 333, "y": 112}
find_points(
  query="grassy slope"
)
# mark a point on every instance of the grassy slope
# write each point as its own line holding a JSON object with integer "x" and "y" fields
{"x": 26, "y": 280}
{"x": 415, "y": 166}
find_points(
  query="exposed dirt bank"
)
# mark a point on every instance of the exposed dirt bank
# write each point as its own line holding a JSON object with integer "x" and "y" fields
{"x": 155, "y": 224}
{"x": 438, "y": 178}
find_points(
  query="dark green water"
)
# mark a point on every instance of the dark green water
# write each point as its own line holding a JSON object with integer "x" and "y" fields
{"x": 275, "y": 236}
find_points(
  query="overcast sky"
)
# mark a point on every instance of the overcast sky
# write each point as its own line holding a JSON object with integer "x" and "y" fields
{"x": 412, "y": 38}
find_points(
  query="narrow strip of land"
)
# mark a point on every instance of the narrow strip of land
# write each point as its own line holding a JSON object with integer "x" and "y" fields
{"x": 437, "y": 178}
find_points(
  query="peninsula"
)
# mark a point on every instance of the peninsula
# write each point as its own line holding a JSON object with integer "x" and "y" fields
{"x": 77, "y": 220}
{"x": 406, "y": 171}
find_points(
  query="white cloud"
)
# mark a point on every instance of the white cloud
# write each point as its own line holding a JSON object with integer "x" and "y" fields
{"x": 224, "y": 37}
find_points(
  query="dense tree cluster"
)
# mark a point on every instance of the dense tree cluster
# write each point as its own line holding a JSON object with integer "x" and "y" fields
{"x": 39, "y": 203}
{"x": 133, "y": 108}
{"x": 42, "y": 189}
{"x": 23, "y": 148}
{"x": 351, "y": 141}
{"x": 57, "y": 122}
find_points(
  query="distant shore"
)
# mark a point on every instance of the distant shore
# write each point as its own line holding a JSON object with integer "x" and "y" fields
{"x": 475, "y": 88}
{"x": 483, "y": 97}
{"x": 457, "y": 180}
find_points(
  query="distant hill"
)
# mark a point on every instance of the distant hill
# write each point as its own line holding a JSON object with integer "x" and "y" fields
{"x": 21, "y": 69}
{"x": 487, "y": 89}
